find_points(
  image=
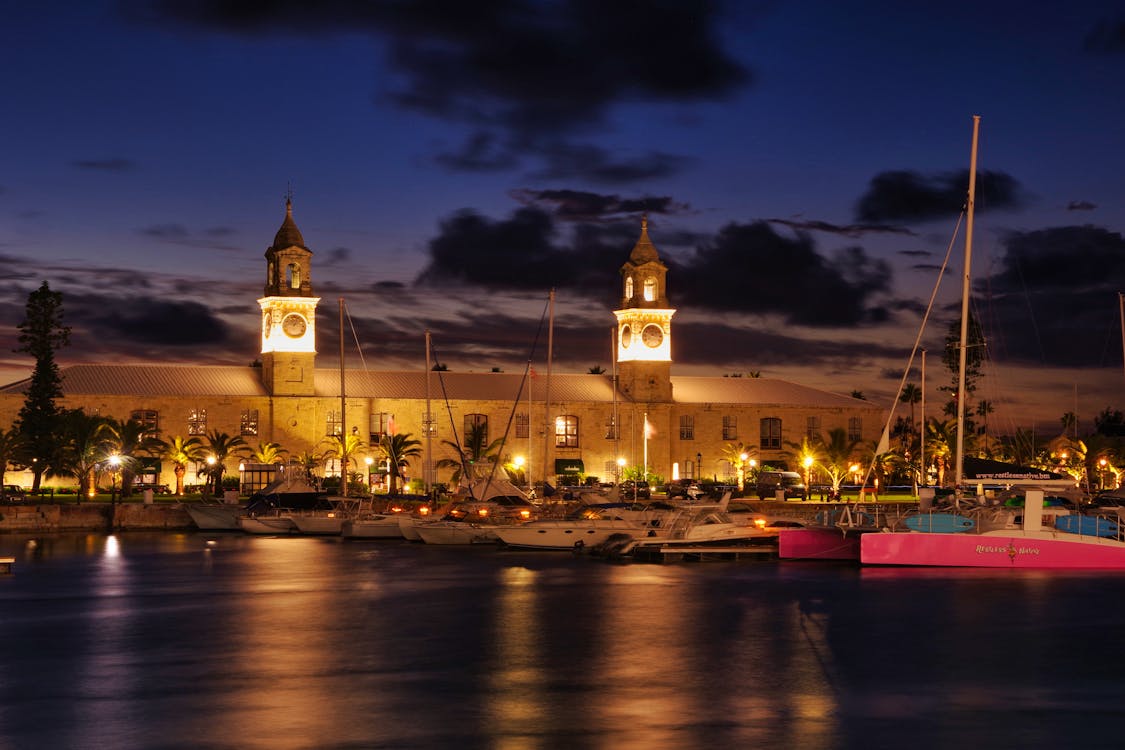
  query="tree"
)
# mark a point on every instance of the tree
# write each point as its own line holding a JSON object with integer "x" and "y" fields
{"x": 130, "y": 440}
{"x": 343, "y": 448}
{"x": 84, "y": 445}
{"x": 597, "y": 370}
{"x": 181, "y": 452}
{"x": 941, "y": 439}
{"x": 741, "y": 457}
{"x": 911, "y": 394}
{"x": 806, "y": 454}
{"x": 974, "y": 361}
{"x": 472, "y": 457}
{"x": 398, "y": 450}
{"x": 13, "y": 451}
{"x": 836, "y": 455}
{"x": 219, "y": 447}
{"x": 42, "y": 333}
{"x": 268, "y": 453}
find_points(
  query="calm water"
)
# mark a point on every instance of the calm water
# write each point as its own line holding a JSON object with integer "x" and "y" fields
{"x": 229, "y": 641}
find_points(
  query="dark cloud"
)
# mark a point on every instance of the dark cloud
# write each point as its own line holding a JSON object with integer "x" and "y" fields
{"x": 569, "y": 161}
{"x": 581, "y": 205}
{"x": 523, "y": 72}
{"x": 1054, "y": 299}
{"x": 517, "y": 253}
{"x": 915, "y": 253}
{"x": 337, "y": 256}
{"x": 178, "y": 234}
{"x": 142, "y": 320}
{"x": 906, "y": 196}
{"x": 105, "y": 165}
{"x": 1107, "y": 37}
{"x": 1081, "y": 206}
{"x": 751, "y": 268}
{"x": 847, "y": 230}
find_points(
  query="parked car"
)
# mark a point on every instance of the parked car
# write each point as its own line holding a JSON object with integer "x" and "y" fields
{"x": 13, "y": 493}
{"x": 688, "y": 489}
{"x": 769, "y": 482}
{"x": 635, "y": 489}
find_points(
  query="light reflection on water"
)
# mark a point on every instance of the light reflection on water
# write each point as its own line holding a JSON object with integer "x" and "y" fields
{"x": 196, "y": 641}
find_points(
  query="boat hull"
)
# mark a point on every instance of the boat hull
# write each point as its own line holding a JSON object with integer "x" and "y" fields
{"x": 999, "y": 550}
{"x": 818, "y": 544}
{"x": 267, "y": 525}
{"x": 386, "y": 527}
{"x": 215, "y": 517}
{"x": 456, "y": 532}
{"x": 318, "y": 525}
{"x": 565, "y": 536}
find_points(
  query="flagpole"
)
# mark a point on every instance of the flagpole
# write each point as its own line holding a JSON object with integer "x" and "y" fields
{"x": 646, "y": 446}
{"x": 547, "y": 432}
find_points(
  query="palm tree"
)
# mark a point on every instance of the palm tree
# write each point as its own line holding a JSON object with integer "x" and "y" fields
{"x": 806, "y": 454}
{"x": 308, "y": 462}
{"x": 740, "y": 457}
{"x": 268, "y": 453}
{"x": 836, "y": 456}
{"x": 220, "y": 447}
{"x": 343, "y": 448}
{"x": 911, "y": 394}
{"x": 596, "y": 370}
{"x": 84, "y": 447}
{"x": 941, "y": 437}
{"x": 181, "y": 452}
{"x": 398, "y": 450}
{"x": 129, "y": 440}
{"x": 984, "y": 408}
{"x": 473, "y": 457}
{"x": 13, "y": 451}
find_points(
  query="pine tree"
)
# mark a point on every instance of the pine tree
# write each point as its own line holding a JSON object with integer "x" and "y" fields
{"x": 41, "y": 334}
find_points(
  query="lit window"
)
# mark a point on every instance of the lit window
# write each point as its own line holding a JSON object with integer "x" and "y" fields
{"x": 650, "y": 290}
{"x": 248, "y": 422}
{"x": 197, "y": 422}
{"x": 293, "y": 276}
{"x": 380, "y": 426}
{"x": 629, "y": 287}
{"x": 566, "y": 431}
{"x": 610, "y": 429}
{"x": 332, "y": 424}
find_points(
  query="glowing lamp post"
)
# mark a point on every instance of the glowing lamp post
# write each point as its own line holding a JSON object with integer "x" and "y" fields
{"x": 114, "y": 465}
{"x": 807, "y": 463}
{"x": 211, "y": 474}
{"x": 742, "y": 458}
{"x": 620, "y": 469}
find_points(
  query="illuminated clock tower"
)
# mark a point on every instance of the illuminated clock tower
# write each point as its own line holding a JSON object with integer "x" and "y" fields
{"x": 288, "y": 313}
{"x": 644, "y": 325}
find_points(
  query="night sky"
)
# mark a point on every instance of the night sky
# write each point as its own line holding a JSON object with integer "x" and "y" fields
{"x": 803, "y": 167}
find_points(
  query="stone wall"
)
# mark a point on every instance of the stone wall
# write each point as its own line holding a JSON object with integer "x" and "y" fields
{"x": 93, "y": 517}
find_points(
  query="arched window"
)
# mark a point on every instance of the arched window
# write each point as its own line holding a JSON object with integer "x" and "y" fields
{"x": 478, "y": 422}
{"x": 650, "y": 290}
{"x": 629, "y": 287}
{"x": 771, "y": 432}
{"x": 293, "y": 276}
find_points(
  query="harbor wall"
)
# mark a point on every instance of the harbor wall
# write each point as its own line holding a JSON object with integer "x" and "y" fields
{"x": 93, "y": 517}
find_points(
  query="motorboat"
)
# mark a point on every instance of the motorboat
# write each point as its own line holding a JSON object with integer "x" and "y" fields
{"x": 211, "y": 515}
{"x": 268, "y": 523}
{"x": 588, "y": 526}
{"x": 473, "y": 519}
{"x": 326, "y": 521}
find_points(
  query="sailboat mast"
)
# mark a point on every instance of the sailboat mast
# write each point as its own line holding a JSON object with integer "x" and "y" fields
{"x": 1121, "y": 304}
{"x": 965, "y": 291}
{"x": 616, "y": 424}
{"x": 548, "y": 432}
{"x": 343, "y": 412}
{"x": 428, "y": 468}
{"x": 922, "y": 427}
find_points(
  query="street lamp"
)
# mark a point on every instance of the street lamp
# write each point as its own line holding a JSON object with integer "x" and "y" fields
{"x": 807, "y": 462}
{"x": 742, "y": 471}
{"x": 699, "y": 467}
{"x": 211, "y": 474}
{"x": 114, "y": 464}
{"x": 1101, "y": 472}
{"x": 620, "y": 469}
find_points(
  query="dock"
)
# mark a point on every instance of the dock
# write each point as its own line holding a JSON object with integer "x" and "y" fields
{"x": 6, "y": 564}
{"x": 702, "y": 552}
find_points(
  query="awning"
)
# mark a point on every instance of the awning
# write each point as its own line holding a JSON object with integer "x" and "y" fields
{"x": 569, "y": 466}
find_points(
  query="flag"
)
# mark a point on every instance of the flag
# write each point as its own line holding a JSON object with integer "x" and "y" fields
{"x": 531, "y": 370}
{"x": 392, "y": 428}
{"x": 650, "y": 431}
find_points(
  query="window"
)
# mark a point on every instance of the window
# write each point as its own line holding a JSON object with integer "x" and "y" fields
{"x": 629, "y": 287}
{"x": 855, "y": 428}
{"x": 566, "y": 431}
{"x": 477, "y": 422}
{"x": 523, "y": 425}
{"x": 381, "y": 424}
{"x": 197, "y": 422}
{"x": 730, "y": 428}
{"x": 293, "y": 276}
{"x": 650, "y": 290}
{"x": 332, "y": 424}
{"x": 687, "y": 427}
{"x": 148, "y": 419}
{"x": 812, "y": 427}
{"x": 610, "y": 429}
{"x": 248, "y": 422}
{"x": 771, "y": 432}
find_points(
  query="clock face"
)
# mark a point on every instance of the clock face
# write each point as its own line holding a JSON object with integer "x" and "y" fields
{"x": 293, "y": 325}
{"x": 652, "y": 335}
{"x": 626, "y": 336}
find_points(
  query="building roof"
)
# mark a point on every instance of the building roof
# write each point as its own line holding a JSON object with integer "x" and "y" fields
{"x": 644, "y": 251}
{"x": 160, "y": 380}
{"x": 288, "y": 235}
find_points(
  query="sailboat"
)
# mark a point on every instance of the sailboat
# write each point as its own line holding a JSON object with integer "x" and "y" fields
{"x": 1034, "y": 536}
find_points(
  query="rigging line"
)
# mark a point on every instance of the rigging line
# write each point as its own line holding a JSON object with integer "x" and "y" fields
{"x": 449, "y": 410}
{"x": 519, "y": 391}
{"x": 355, "y": 337}
{"x": 913, "y": 351}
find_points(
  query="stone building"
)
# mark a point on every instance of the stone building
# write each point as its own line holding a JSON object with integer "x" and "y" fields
{"x": 562, "y": 428}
